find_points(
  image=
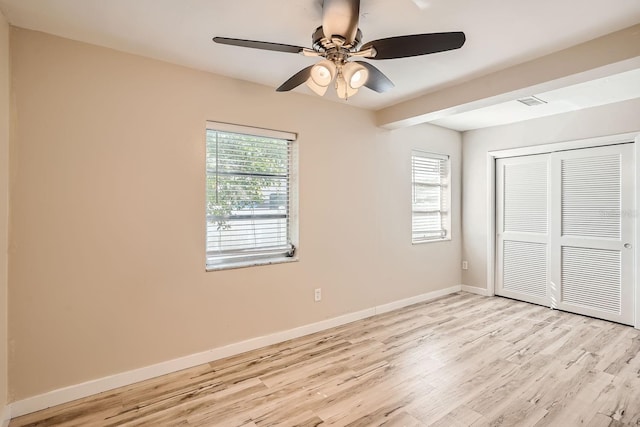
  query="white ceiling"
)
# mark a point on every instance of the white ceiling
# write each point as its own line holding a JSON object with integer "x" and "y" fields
{"x": 500, "y": 33}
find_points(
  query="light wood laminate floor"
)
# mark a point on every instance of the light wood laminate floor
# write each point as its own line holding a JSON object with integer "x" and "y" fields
{"x": 461, "y": 360}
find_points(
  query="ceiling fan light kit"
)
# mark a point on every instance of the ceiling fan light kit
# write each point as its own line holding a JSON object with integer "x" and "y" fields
{"x": 351, "y": 77}
{"x": 338, "y": 40}
{"x": 319, "y": 90}
{"x": 323, "y": 73}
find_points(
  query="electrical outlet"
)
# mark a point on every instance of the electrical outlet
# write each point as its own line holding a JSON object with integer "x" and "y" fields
{"x": 465, "y": 265}
{"x": 317, "y": 295}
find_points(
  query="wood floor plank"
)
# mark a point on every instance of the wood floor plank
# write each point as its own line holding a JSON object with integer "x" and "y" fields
{"x": 401, "y": 419}
{"x": 621, "y": 401}
{"x": 600, "y": 420}
{"x": 461, "y": 360}
{"x": 462, "y": 416}
{"x": 520, "y": 413}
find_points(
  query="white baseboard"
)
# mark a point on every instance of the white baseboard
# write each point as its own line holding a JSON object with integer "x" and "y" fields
{"x": 417, "y": 299}
{"x": 5, "y": 416}
{"x": 474, "y": 290}
{"x": 89, "y": 388}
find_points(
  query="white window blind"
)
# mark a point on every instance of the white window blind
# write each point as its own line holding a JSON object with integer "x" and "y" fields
{"x": 430, "y": 197}
{"x": 248, "y": 194}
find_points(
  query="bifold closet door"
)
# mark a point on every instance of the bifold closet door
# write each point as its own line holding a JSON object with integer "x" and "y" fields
{"x": 592, "y": 232}
{"x": 522, "y": 225}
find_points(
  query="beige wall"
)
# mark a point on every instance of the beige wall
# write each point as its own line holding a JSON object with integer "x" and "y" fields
{"x": 4, "y": 204}
{"x": 600, "y": 121}
{"x": 107, "y": 266}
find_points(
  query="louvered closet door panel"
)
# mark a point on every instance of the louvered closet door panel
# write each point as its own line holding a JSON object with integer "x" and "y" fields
{"x": 522, "y": 205}
{"x": 591, "y": 196}
{"x": 592, "y": 223}
{"x": 525, "y": 197}
{"x": 594, "y": 288}
{"x": 525, "y": 268}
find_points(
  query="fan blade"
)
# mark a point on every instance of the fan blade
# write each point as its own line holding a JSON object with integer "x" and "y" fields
{"x": 377, "y": 81}
{"x": 340, "y": 18}
{"x": 296, "y": 80}
{"x": 415, "y": 45}
{"x": 259, "y": 45}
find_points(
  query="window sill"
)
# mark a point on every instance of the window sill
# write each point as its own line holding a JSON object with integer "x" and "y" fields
{"x": 448, "y": 239}
{"x": 251, "y": 263}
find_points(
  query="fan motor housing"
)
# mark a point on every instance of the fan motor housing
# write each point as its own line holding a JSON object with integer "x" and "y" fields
{"x": 323, "y": 44}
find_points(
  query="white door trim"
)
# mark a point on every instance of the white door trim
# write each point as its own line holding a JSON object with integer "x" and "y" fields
{"x": 549, "y": 148}
{"x": 491, "y": 224}
{"x": 637, "y": 234}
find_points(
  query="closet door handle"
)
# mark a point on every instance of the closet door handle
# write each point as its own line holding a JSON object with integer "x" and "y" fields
{"x": 627, "y": 245}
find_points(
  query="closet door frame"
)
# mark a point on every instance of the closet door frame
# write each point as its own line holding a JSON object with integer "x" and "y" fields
{"x": 549, "y": 148}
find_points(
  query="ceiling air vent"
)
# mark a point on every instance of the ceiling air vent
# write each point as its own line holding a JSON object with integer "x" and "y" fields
{"x": 531, "y": 101}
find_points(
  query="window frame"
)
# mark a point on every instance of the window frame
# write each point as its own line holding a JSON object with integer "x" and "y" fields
{"x": 445, "y": 200}
{"x": 292, "y": 218}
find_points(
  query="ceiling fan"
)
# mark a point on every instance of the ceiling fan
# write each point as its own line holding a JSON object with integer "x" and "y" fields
{"x": 338, "y": 40}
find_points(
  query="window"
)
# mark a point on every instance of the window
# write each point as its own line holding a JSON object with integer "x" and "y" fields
{"x": 430, "y": 197}
{"x": 249, "y": 209}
